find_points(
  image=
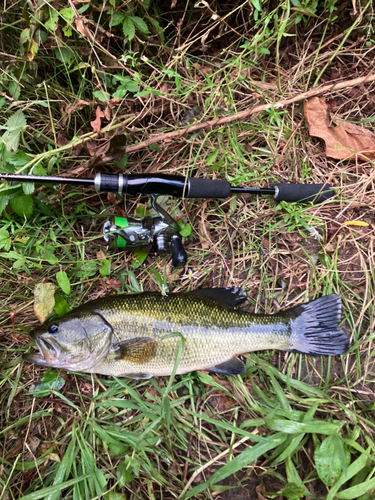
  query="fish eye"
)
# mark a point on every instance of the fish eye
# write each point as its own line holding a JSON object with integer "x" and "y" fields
{"x": 53, "y": 328}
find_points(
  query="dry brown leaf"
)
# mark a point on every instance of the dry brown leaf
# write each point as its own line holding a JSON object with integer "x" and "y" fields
{"x": 100, "y": 255}
{"x": 81, "y": 28}
{"x": 71, "y": 108}
{"x": 97, "y": 123}
{"x": 44, "y": 300}
{"x": 258, "y": 491}
{"x": 344, "y": 141}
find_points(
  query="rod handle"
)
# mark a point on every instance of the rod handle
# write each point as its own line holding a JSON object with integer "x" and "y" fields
{"x": 207, "y": 188}
{"x": 317, "y": 193}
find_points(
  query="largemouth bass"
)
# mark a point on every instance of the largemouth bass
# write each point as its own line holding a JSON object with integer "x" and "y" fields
{"x": 130, "y": 335}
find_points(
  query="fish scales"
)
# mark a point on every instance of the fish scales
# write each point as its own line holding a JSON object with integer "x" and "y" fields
{"x": 212, "y": 333}
{"x": 130, "y": 335}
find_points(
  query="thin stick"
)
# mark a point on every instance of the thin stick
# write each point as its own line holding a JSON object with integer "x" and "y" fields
{"x": 256, "y": 109}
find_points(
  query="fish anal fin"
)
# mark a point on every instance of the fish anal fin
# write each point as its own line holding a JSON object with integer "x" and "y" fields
{"x": 230, "y": 297}
{"x": 136, "y": 376}
{"x": 233, "y": 366}
{"x": 138, "y": 350}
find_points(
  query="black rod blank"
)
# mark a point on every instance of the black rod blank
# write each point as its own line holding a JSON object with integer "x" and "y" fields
{"x": 178, "y": 186}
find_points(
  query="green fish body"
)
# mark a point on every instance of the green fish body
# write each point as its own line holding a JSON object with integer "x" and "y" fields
{"x": 130, "y": 335}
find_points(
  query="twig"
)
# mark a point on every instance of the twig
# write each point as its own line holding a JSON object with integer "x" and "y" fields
{"x": 256, "y": 109}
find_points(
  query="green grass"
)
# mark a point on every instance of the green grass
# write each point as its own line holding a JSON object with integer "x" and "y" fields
{"x": 293, "y": 426}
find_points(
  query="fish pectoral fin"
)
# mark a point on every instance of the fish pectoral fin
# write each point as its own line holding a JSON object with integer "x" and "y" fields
{"x": 230, "y": 297}
{"x": 233, "y": 366}
{"x": 138, "y": 350}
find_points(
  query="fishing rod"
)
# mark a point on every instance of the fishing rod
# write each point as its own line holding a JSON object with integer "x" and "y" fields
{"x": 161, "y": 234}
{"x": 182, "y": 187}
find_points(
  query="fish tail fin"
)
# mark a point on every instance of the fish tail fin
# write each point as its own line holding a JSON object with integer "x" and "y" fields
{"x": 314, "y": 327}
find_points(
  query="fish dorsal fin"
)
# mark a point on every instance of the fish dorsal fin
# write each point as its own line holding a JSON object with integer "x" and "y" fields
{"x": 230, "y": 296}
{"x": 233, "y": 366}
{"x": 138, "y": 350}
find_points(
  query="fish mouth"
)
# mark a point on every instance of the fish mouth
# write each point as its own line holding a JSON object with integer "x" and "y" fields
{"x": 48, "y": 353}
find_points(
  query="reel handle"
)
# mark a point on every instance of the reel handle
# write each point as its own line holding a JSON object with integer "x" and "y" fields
{"x": 179, "y": 256}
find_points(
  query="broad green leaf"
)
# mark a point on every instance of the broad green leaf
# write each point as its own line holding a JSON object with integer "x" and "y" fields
{"x": 113, "y": 495}
{"x": 28, "y": 187}
{"x": 68, "y": 14}
{"x": 123, "y": 475}
{"x": 87, "y": 268}
{"x": 51, "y": 381}
{"x": 14, "y": 126}
{"x": 158, "y": 29}
{"x": 139, "y": 257}
{"x": 122, "y": 79}
{"x": 33, "y": 50}
{"x": 128, "y": 28}
{"x": 14, "y": 89}
{"x": 25, "y": 35}
{"x": 186, "y": 230}
{"x": 135, "y": 286}
{"x": 2, "y": 102}
{"x": 139, "y": 24}
{"x": 22, "y": 205}
{"x": 118, "y": 449}
{"x": 328, "y": 461}
{"x": 120, "y": 92}
{"x": 44, "y": 300}
{"x": 49, "y": 257}
{"x": 211, "y": 158}
{"x": 5, "y": 241}
{"x": 64, "y": 55}
{"x": 102, "y": 96}
{"x": 117, "y": 18}
{"x": 105, "y": 268}
{"x": 293, "y": 491}
{"x": 132, "y": 86}
{"x": 16, "y": 121}
{"x": 51, "y": 23}
{"x": 18, "y": 159}
{"x": 4, "y": 199}
{"x": 61, "y": 306}
{"x": 63, "y": 281}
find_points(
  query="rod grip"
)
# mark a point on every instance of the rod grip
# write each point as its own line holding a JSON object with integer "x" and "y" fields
{"x": 317, "y": 193}
{"x": 207, "y": 188}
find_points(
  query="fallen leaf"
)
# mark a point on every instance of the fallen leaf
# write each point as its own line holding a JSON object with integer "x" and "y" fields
{"x": 71, "y": 108}
{"x": 258, "y": 491}
{"x": 100, "y": 255}
{"x": 97, "y": 123}
{"x": 53, "y": 456}
{"x": 355, "y": 223}
{"x": 344, "y": 141}
{"x": 44, "y": 300}
{"x": 329, "y": 248}
{"x": 81, "y": 28}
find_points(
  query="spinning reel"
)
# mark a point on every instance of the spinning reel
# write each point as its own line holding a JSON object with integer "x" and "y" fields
{"x": 159, "y": 235}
